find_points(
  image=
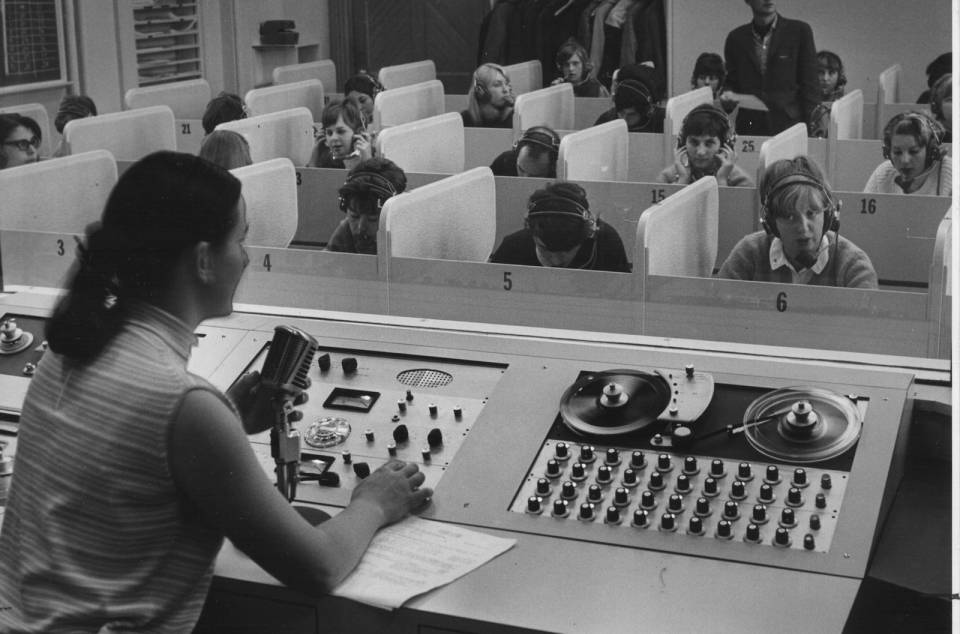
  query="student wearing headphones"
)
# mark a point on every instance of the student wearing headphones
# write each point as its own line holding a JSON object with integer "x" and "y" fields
{"x": 832, "y": 80}
{"x": 490, "y": 99}
{"x": 708, "y": 70}
{"x": 221, "y": 109}
{"x": 916, "y": 163}
{"x": 345, "y": 142}
{"x": 560, "y": 231}
{"x": 534, "y": 154}
{"x": 800, "y": 242}
{"x": 362, "y": 89}
{"x": 636, "y": 99}
{"x": 573, "y": 63}
{"x": 367, "y": 187}
{"x": 705, "y": 147}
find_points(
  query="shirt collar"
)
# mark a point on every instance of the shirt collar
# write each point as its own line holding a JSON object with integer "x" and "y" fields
{"x": 770, "y": 29}
{"x": 169, "y": 328}
{"x": 779, "y": 259}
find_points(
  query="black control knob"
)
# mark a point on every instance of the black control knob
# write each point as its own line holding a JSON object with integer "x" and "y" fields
{"x": 560, "y": 508}
{"x": 534, "y": 505}
{"x": 794, "y": 497}
{"x": 347, "y": 456}
{"x": 825, "y": 481}
{"x": 553, "y": 469}
{"x": 638, "y": 460}
{"x": 543, "y": 487}
{"x": 648, "y": 500}
{"x": 425, "y": 454}
{"x": 690, "y": 465}
{"x": 683, "y": 484}
{"x": 788, "y": 518}
{"x": 613, "y": 456}
{"x": 594, "y": 493}
{"x": 773, "y": 474}
{"x": 724, "y": 529}
{"x": 604, "y": 474}
{"x": 759, "y": 514}
{"x": 323, "y": 362}
{"x": 401, "y": 434}
{"x": 641, "y": 518}
{"x": 361, "y": 469}
{"x": 561, "y": 451}
{"x": 717, "y": 470}
{"x": 668, "y": 522}
{"x": 409, "y": 396}
{"x": 703, "y": 507}
{"x": 738, "y": 490}
{"x": 656, "y": 481}
{"x": 808, "y": 542}
{"x": 587, "y": 453}
{"x": 568, "y": 490}
{"x": 401, "y": 405}
{"x": 613, "y": 515}
{"x": 731, "y": 510}
{"x": 578, "y": 471}
{"x": 349, "y": 365}
{"x": 814, "y": 522}
{"x": 621, "y": 497}
{"x": 745, "y": 471}
{"x": 753, "y": 533}
{"x": 664, "y": 463}
{"x": 432, "y": 408}
{"x": 689, "y": 370}
{"x": 820, "y": 501}
{"x": 392, "y": 448}
{"x": 695, "y": 527}
{"x": 799, "y": 477}
{"x": 630, "y": 478}
{"x": 368, "y": 434}
{"x": 435, "y": 438}
{"x": 682, "y": 435}
{"x": 586, "y": 511}
{"x": 457, "y": 412}
{"x": 710, "y": 487}
{"x": 781, "y": 537}
{"x": 675, "y": 503}
{"x": 766, "y": 493}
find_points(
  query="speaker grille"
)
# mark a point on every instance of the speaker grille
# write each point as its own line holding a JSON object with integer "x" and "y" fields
{"x": 423, "y": 377}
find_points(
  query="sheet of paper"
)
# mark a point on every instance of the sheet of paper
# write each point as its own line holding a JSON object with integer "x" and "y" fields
{"x": 414, "y": 556}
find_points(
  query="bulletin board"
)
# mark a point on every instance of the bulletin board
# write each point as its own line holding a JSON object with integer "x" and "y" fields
{"x": 31, "y": 42}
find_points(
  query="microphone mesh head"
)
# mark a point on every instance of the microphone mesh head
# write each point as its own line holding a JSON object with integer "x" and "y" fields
{"x": 287, "y": 365}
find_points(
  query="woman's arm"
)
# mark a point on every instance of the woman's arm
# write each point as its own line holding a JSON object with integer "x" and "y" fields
{"x": 214, "y": 466}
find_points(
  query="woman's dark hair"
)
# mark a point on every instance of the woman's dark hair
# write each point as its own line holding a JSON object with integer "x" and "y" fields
{"x": 10, "y": 122}
{"x": 570, "y": 48}
{"x": 162, "y": 205}
{"x": 73, "y": 107}
{"x": 941, "y": 90}
{"x": 348, "y": 109}
{"x": 709, "y": 65}
{"x": 832, "y": 61}
{"x": 221, "y": 109}
{"x": 363, "y": 82}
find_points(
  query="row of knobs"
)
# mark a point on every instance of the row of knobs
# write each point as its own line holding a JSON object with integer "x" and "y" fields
{"x": 669, "y": 520}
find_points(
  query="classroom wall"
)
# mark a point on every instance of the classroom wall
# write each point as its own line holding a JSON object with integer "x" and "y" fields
{"x": 868, "y": 35}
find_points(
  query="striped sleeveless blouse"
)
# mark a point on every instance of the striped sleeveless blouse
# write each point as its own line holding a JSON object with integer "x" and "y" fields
{"x": 96, "y": 537}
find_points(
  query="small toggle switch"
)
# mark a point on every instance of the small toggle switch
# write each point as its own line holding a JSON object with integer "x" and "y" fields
{"x": 409, "y": 396}
{"x": 425, "y": 454}
{"x": 457, "y": 412}
{"x": 392, "y": 448}
{"x": 401, "y": 405}
{"x": 432, "y": 408}
{"x": 368, "y": 434}
{"x": 347, "y": 456}
{"x": 689, "y": 370}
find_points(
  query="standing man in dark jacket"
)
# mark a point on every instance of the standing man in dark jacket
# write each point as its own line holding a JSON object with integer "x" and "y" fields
{"x": 771, "y": 71}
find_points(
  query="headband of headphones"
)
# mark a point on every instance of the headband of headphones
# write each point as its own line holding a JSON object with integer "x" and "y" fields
{"x": 929, "y": 129}
{"x": 368, "y": 183}
{"x": 559, "y": 237}
{"x": 716, "y": 113}
{"x": 831, "y": 215}
{"x": 635, "y": 88}
{"x": 540, "y": 136}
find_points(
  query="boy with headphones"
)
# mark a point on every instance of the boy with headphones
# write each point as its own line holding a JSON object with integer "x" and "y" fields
{"x": 573, "y": 64}
{"x": 705, "y": 147}
{"x": 800, "y": 242}
{"x": 534, "y": 154}
{"x": 636, "y": 99}
{"x": 916, "y": 163}
{"x": 367, "y": 187}
{"x": 559, "y": 231}
{"x": 490, "y": 99}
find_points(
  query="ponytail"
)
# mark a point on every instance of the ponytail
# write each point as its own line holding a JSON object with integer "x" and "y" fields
{"x": 161, "y": 206}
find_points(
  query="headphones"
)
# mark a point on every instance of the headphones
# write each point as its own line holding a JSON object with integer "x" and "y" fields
{"x": 714, "y": 112}
{"x": 831, "y": 215}
{"x": 541, "y": 207}
{"x": 540, "y": 136}
{"x": 375, "y": 183}
{"x": 929, "y": 129}
{"x": 479, "y": 87}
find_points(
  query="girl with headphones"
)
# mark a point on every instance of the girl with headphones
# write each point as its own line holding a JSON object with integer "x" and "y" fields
{"x": 490, "y": 99}
{"x": 916, "y": 163}
{"x": 362, "y": 89}
{"x": 800, "y": 242}
{"x": 573, "y": 64}
{"x": 705, "y": 147}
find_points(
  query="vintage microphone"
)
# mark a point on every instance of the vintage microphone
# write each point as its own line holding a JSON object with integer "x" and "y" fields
{"x": 286, "y": 370}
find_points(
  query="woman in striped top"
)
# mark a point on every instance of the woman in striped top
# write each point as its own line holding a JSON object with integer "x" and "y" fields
{"x": 130, "y": 470}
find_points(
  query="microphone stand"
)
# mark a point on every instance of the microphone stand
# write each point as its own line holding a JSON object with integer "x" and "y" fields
{"x": 285, "y": 447}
